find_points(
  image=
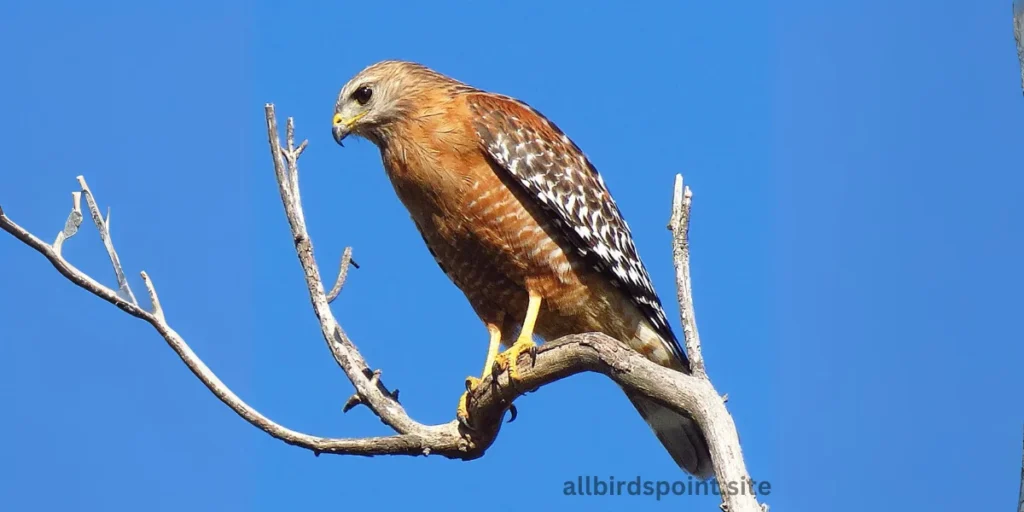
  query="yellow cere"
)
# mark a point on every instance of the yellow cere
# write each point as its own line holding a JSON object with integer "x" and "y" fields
{"x": 340, "y": 120}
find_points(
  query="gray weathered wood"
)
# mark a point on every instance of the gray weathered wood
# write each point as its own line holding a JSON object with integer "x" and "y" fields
{"x": 1018, "y": 34}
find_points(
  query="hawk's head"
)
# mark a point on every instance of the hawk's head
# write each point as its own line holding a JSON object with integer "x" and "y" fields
{"x": 378, "y": 96}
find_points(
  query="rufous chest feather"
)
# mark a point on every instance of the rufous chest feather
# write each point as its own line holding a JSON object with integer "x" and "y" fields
{"x": 429, "y": 186}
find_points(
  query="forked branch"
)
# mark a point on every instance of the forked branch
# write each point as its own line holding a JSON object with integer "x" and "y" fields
{"x": 489, "y": 401}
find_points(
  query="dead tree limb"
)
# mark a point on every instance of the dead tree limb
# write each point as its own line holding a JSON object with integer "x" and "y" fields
{"x": 1018, "y": 34}
{"x": 555, "y": 360}
{"x": 1020, "y": 494}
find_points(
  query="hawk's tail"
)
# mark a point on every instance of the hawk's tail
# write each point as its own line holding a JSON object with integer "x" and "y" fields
{"x": 679, "y": 434}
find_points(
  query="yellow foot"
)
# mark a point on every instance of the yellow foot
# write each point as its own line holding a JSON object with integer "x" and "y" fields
{"x": 462, "y": 413}
{"x": 510, "y": 358}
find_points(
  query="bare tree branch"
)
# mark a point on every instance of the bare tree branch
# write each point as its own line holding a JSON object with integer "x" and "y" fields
{"x": 1018, "y": 34}
{"x": 103, "y": 226}
{"x": 1020, "y": 494}
{"x": 346, "y": 261}
{"x": 192, "y": 361}
{"x": 692, "y": 394}
{"x": 716, "y": 424}
{"x": 71, "y": 225}
{"x": 679, "y": 225}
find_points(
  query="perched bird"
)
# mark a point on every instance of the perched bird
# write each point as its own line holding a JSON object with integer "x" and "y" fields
{"x": 520, "y": 221}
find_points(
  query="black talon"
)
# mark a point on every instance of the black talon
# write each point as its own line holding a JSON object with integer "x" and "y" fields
{"x": 513, "y": 413}
{"x": 512, "y": 382}
{"x": 352, "y": 401}
{"x": 464, "y": 423}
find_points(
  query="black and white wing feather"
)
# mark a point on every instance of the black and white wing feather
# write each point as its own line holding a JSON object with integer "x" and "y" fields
{"x": 548, "y": 165}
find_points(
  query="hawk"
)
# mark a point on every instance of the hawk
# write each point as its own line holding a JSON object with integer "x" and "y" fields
{"x": 521, "y": 222}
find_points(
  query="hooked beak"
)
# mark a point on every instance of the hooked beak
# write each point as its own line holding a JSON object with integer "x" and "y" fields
{"x": 342, "y": 127}
{"x": 339, "y": 130}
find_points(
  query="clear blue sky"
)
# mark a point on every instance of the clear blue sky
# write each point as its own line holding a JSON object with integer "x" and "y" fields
{"x": 857, "y": 172}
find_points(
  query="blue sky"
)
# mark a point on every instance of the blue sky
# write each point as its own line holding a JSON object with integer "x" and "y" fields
{"x": 856, "y": 169}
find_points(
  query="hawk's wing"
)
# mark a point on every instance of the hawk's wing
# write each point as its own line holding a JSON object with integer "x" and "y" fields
{"x": 555, "y": 172}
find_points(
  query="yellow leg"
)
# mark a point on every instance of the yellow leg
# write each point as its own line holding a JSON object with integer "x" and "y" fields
{"x": 510, "y": 357}
{"x": 473, "y": 382}
{"x": 492, "y": 348}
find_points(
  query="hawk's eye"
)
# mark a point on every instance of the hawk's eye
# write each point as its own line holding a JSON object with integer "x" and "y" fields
{"x": 362, "y": 95}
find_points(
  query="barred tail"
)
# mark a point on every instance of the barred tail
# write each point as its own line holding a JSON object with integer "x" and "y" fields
{"x": 679, "y": 434}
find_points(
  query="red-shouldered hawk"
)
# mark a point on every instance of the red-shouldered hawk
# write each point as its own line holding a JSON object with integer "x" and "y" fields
{"x": 520, "y": 220}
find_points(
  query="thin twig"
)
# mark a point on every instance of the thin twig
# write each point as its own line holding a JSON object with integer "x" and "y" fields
{"x": 1020, "y": 495}
{"x": 158, "y": 311}
{"x": 346, "y": 260}
{"x": 679, "y": 224}
{"x": 103, "y": 226}
{"x": 291, "y": 155}
{"x": 71, "y": 225}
